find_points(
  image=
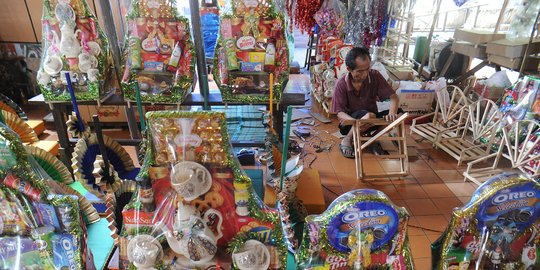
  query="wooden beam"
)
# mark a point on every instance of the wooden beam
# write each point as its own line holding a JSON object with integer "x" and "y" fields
{"x": 501, "y": 16}
{"x": 526, "y": 55}
{"x": 385, "y": 130}
{"x": 471, "y": 72}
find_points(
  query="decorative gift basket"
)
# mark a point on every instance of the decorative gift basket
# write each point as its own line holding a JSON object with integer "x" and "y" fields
{"x": 497, "y": 229}
{"x": 251, "y": 53}
{"x": 158, "y": 53}
{"x": 194, "y": 206}
{"x": 361, "y": 229}
{"x": 74, "y": 46}
{"x": 43, "y": 222}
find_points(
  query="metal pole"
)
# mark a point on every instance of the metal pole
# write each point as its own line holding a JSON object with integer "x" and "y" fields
{"x": 430, "y": 36}
{"x": 199, "y": 47}
{"x": 110, "y": 30}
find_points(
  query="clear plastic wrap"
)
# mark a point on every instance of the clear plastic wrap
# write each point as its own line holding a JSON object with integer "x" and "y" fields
{"x": 74, "y": 44}
{"x": 158, "y": 53}
{"x": 361, "y": 229}
{"x": 40, "y": 226}
{"x": 194, "y": 206}
{"x": 251, "y": 45}
{"x": 497, "y": 229}
{"x": 526, "y": 94}
{"x": 330, "y": 18}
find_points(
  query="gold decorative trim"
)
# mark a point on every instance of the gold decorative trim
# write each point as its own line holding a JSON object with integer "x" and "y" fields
{"x": 72, "y": 127}
{"x": 51, "y": 163}
{"x": 15, "y": 123}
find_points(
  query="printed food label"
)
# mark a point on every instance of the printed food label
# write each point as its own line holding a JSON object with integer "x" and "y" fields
{"x": 377, "y": 219}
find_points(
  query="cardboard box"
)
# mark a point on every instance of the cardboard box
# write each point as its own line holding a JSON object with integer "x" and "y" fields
{"x": 469, "y": 49}
{"x": 477, "y": 36}
{"x": 514, "y": 63}
{"x": 243, "y": 56}
{"x": 416, "y": 102}
{"x": 105, "y": 113}
{"x": 400, "y": 74}
{"x": 513, "y": 48}
{"x": 252, "y": 66}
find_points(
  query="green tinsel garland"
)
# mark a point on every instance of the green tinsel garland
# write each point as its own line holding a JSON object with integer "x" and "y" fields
{"x": 22, "y": 168}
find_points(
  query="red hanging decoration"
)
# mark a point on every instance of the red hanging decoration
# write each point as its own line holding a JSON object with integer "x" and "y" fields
{"x": 304, "y": 14}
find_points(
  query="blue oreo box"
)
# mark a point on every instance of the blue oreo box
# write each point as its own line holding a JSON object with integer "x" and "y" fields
{"x": 65, "y": 249}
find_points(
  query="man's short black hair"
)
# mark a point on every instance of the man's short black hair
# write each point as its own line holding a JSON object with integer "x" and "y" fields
{"x": 350, "y": 58}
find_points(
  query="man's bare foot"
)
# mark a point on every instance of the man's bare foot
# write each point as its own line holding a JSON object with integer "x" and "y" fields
{"x": 346, "y": 148}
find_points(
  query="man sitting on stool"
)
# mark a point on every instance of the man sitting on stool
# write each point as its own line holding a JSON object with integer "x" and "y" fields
{"x": 356, "y": 95}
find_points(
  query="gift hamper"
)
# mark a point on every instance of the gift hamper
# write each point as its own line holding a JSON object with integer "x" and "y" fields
{"x": 74, "y": 49}
{"x": 361, "y": 229}
{"x": 158, "y": 53}
{"x": 251, "y": 53}
{"x": 497, "y": 229}
{"x": 194, "y": 207}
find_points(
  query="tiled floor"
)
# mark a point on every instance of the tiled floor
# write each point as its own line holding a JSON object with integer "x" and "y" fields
{"x": 434, "y": 187}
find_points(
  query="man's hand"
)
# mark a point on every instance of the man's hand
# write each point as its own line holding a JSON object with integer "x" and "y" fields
{"x": 391, "y": 117}
{"x": 392, "y": 114}
{"x": 343, "y": 117}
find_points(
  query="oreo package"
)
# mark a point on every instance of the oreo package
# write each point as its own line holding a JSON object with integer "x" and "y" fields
{"x": 66, "y": 251}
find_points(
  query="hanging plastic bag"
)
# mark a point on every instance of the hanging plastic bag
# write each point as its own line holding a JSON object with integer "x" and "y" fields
{"x": 330, "y": 18}
{"x": 442, "y": 94}
{"x": 378, "y": 66}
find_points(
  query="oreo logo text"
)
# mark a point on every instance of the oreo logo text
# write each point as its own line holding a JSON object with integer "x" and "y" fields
{"x": 501, "y": 198}
{"x": 356, "y": 215}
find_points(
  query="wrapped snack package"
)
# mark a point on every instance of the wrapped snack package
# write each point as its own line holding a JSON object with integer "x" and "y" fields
{"x": 497, "y": 229}
{"x": 519, "y": 103}
{"x": 158, "y": 53}
{"x": 361, "y": 229}
{"x": 194, "y": 207}
{"x": 252, "y": 44}
{"x": 74, "y": 44}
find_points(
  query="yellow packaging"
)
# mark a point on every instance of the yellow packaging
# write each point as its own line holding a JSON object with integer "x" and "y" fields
{"x": 257, "y": 57}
